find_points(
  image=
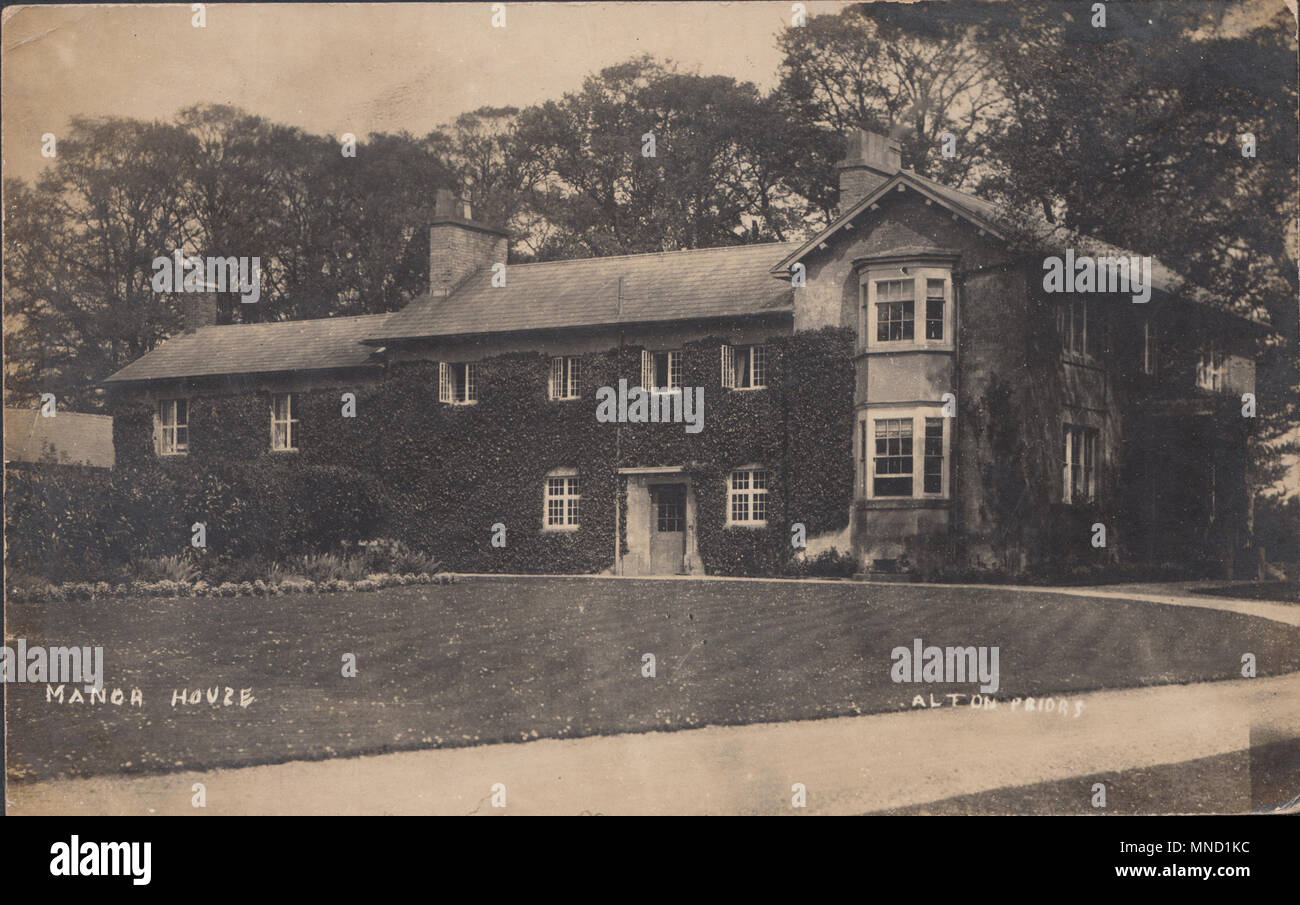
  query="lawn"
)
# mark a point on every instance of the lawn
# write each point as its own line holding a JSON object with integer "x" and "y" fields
{"x": 504, "y": 659}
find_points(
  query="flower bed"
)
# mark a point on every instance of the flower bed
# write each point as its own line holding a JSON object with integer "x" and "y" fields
{"x": 102, "y": 590}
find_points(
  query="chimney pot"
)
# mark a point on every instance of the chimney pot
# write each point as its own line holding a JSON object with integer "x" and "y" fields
{"x": 444, "y": 204}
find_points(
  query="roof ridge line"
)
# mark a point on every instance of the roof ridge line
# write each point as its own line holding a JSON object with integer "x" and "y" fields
{"x": 301, "y": 320}
{"x": 648, "y": 254}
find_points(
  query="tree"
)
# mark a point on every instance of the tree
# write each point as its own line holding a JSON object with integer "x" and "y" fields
{"x": 79, "y": 248}
{"x": 646, "y": 158}
{"x": 911, "y": 70}
{"x": 1154, "y": 161}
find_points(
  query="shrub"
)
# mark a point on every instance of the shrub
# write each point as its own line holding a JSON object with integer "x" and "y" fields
{"x": 172, "y": 568}
{"x": 387, "y": 555}
{"x": 279, "y": 573}
{"x": 828, "y": 564}
{"x": 325, "y": 566}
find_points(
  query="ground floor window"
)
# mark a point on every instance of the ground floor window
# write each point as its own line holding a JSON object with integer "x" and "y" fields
{"x": 747, "y": 496}
{"x": 893, "y": 457}
{"x": 562, "y": 499}
{"x": 889, "y": 461}
{"x": 933, "y": 475}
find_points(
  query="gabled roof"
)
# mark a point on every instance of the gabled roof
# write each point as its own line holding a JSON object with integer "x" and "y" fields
{"x": 69, "y": 438}
{"x": 981, "y": 213}
{"x": 990, "y": 217}
{"x": 731, "y": 281}
{"x": 323, "y": 343}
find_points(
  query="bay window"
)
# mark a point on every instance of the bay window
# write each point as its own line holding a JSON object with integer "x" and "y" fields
{"x": 907, "y": 306}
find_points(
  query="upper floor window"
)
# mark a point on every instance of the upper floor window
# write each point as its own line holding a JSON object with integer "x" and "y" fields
{"x": 895, "y": 310}
{"x": 888, "y": 457}
{"x": 661, "y": 371}
{"x": 1080, "y": 327}
{"x": 173, "y": 427}
{"x": 744, "y": 367}
{"x": 1149, "y": 348}
{"x": 1211, "y": 369}
{"x": 566, "y": 376}
{"x": 284, "y": 422}
{"x": 458, "y": 382}
{"x": 1079, "y": 476}
{"x": 935, "y": 296}
{"x": 747, "y": 496}
{"x": 560, "y": 507}
{"x": 907, "y": 307}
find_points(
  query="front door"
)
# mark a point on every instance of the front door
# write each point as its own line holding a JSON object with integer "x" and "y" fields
{"x": 667, "y": 529}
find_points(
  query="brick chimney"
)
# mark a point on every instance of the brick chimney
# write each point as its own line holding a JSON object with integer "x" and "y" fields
{"x": 459, "y": 245}
{"x": 869, "y": 161}
{"x": 199, "y": 309}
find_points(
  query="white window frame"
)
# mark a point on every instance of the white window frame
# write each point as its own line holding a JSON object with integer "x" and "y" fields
{"x": 865, "y": 440}
{"x": 466, "y": 381}
{"x": 674, "y": 367}
{"x": 565, "y": 381}
{"x": 1090, "y": 453}
{"x": 746, "y": 474}
{"x": 1212, "y": 369}
{"x": 162, "y": 430}
{"x": 919, "y": 274}
{"x": 290, "y": 423}
{"x": 731, "y": 366}
{"x": 1150, "y": 348}
{"x": 568, "y": 496}
{"x": 1091, "y": 334}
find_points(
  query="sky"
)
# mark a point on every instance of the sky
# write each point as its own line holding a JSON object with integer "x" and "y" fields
{"x": 359, "y": 68}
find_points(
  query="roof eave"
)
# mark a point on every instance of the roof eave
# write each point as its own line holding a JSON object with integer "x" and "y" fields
{"x": 116, "y": 381}
{"x": 865, "y": 203}
{"x": 785, "y": 311}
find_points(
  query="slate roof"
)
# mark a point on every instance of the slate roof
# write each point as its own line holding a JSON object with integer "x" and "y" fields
{"x": 730, "y": 281}
{"x": 327, "y": 342}
{"x": 624, "y": 289}
{"x": 76, "y": 438}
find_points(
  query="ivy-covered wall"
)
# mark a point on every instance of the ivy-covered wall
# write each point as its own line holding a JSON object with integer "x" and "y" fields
{"x": 440, "y": 477}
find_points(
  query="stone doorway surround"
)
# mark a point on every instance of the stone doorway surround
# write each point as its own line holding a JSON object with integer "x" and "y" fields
{"x": 636, "y": 561}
